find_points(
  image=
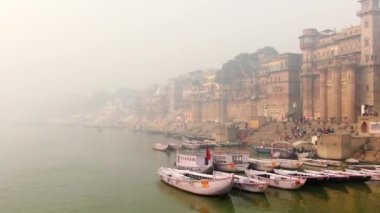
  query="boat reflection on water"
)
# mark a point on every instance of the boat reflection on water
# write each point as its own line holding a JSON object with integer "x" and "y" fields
{"x": 198, "y": 203}
{"x": 341, "y": 187}
{"x": 362, "y": 187}
{"x": 311, "y": 192}
{"x": 258, "y": 200}
{"x": 290, "y": 196}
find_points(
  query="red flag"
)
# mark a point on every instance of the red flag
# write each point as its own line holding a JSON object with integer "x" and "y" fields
{"x": 208, "y": 154}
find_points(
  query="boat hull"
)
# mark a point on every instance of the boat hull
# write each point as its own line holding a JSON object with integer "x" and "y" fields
{"x": 290, "y": 164}
{"x": 251, "y": 187}
{"x": 200, "y": 169}
{"x": 208, "y": 187}
{"x": 160, "y": 147}
{"x": 289, "y": 183}
{"x": 231, "y": 167}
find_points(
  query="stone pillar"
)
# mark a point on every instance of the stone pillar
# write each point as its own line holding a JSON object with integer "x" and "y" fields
{"x": 352, "y": 93}
{"x": 323, "y": 94}
{"x": 339, "y": 94}
{"x": 308, "y": 97}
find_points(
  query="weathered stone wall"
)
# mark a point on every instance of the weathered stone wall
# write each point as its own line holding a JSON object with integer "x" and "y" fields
{"x": 239, "y": 110}
{"x": 339, "y": 147}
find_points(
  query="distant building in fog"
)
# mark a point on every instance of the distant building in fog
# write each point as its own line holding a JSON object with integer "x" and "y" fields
{"x": 341, "y": 70}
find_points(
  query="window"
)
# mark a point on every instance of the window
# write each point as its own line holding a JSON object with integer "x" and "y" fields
{"x": 366, "y": 24}
{"x": 366, "y": 42}
{"x": 366, "y": 58}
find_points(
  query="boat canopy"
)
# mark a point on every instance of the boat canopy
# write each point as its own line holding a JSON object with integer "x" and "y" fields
{"x": 282, "y": 145}
{"x": 305, "y": 144}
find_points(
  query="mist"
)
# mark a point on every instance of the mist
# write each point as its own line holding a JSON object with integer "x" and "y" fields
{"x": 55, "y": 49}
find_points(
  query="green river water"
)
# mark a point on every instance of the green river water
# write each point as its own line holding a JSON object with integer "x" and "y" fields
{"x": 74, "y": 169}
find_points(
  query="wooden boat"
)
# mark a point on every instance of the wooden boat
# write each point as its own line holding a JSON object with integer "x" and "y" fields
{"x": 314, "y": 162}
{"x": 289, "y": 164}
{"x": 249, "y": 184}
{"x": 160, "y": 147}
{"x": 352, "y": 161}
{"x": 263, "y": 149}
{"x": 192, "y": 145}
{"x": 304, "y": 149}
{"x": 195, "y": 161}
{"x": 282, "y": 149}
{"x": 174, "y": 146}
{"x": 333, "y": 163}
{"x": 197, "y": 183}
{"x": 231, "y": 161}
{"x": 375, "y": 175}
{"x": 333, "y": 177}
{"x": 369, "y": 167}
{"x": 352, "y": 176}
{"x": 263, "y": 165}
{"x": 310, "y": 178}
{"x": 275, "y": 180}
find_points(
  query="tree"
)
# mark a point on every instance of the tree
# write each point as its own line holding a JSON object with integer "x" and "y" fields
{"x": 230, "y": 71}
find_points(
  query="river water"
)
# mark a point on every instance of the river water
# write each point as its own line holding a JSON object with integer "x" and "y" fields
{"x": 74, "y": 169}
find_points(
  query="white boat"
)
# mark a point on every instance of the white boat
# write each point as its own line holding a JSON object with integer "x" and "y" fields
{"x": 310, "y": 178}
{"x": 301, "y": 155}
{"x": 275, "y": 180}
{"x": 174, "y": 146}
{"x": 266, "y": 165}
{"x": 197, "y": 183}
{"x": 352, "y": 161}
{"x": 375, "y": 175}
{"x": 304, "y": 149}
{"x": 334, "y": 163}
{"x": 160, "y": 147}
{"x": 231, "y": 161}
{"x": 352, "y": 176}
{"x": 314, "y": 162}
{"x": 249, "y": 184}
{"x": 289, "y": 164}
{"x": 369, "y": 167}
{"x": 192, "y": 144}
{"x": 282, "y": 149}
{"x": 333, "y": 177}
{"x": 195, "y": 161}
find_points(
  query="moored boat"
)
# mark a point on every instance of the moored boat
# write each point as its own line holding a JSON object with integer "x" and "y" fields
{"x": 249, "y": 184}
{"x": 197, "y": 183}
{"x": 310, "y": 178}
{"x": 160, "y": 147}
{"x": 369, "y": 167}
{"x": 314, "y": 162}
{"x": 333, "y": 163}
{"x": 263, "y": 165}
{"x": 192, "y": 145}
{"x": 375, "y": 175}
{"x": 352, "y": 176}
{"x": 289, "y": 164}
{"x": 231, "y": 161}
{"x": 333, "y": 177}
{"x": 263, "y": 149}
{"x": 174, "y": 146}
{"x": 282, "y": 149}
{"x": 275, "y": 180}
{"x": 195, "y": 161}
{"x": 304, "y": 149}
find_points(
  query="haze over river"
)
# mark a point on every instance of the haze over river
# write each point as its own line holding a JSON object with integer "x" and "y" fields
{"x": 75, "y": 169}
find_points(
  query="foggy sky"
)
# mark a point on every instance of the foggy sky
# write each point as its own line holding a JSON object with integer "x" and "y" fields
{"x": 55, "y": 46}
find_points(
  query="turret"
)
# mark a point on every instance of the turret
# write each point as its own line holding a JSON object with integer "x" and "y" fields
{"x": 370, "y": 28}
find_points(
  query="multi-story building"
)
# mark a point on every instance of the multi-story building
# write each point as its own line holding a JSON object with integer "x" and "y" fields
{"x": 277, "y": 91}
{"x": 340, "y": 70}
